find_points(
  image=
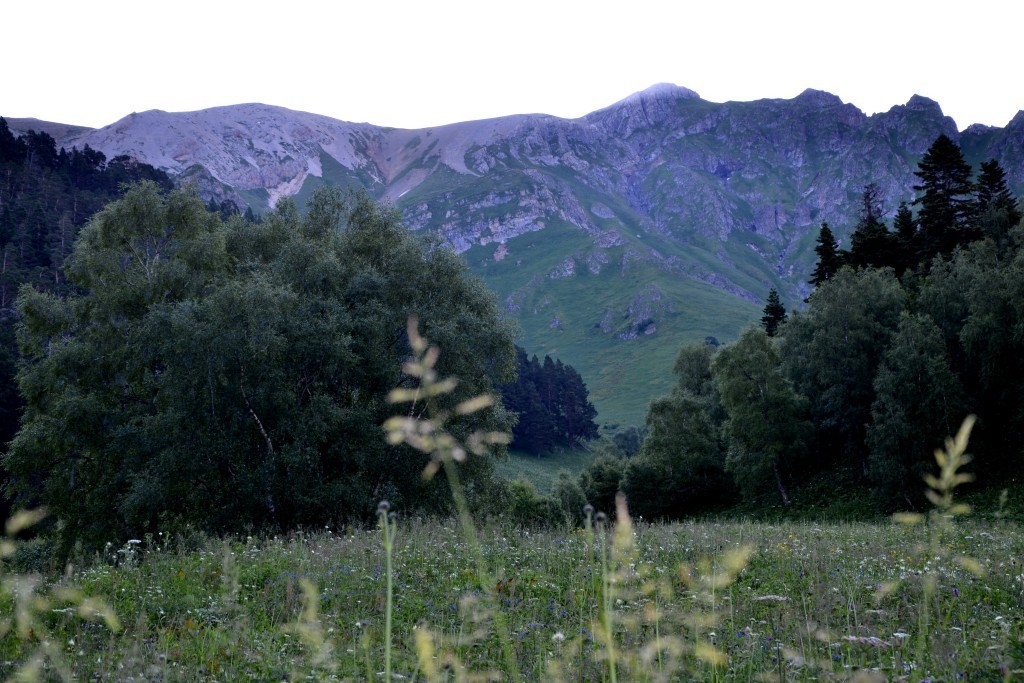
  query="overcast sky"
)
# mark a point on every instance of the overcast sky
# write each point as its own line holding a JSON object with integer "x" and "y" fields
{"x": 429, "y": 62}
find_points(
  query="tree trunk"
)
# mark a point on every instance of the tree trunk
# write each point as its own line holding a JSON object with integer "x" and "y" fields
{"x": 778, "y": 483}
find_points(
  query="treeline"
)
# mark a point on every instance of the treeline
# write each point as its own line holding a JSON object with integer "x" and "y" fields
{"x": 952, "y": 211}
{"x": 911, "y": 329}
{"x": 552, "y": 403}
{"x": 46, "y": 196}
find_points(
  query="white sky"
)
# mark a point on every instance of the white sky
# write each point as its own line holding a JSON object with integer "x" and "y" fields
{"x": 428, "y": 62}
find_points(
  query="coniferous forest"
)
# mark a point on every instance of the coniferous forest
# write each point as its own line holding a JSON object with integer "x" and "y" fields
{"x": 550, "y": 399}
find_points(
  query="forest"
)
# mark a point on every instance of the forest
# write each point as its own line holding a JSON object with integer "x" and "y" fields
{"x": 909, "y": 330}
{"x": 46, "y": 196}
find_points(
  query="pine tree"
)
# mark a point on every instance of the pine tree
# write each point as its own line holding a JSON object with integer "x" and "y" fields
{"x": 998, "y": 213}
{"x": 871, "y": 244}
{"x": 992, "y": 190}
{"x": 774, "y": 313}
{"x": 948, "y": 208}
{"x": 829, "y": 259}
{"x": 904, "y": 238}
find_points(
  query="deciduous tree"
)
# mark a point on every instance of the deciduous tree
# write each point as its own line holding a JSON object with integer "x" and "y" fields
{"x": 233, "y": 376}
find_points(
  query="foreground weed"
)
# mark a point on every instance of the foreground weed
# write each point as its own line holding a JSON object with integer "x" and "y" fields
{"x": 940, "y": 556}
{"x": 425, "y": 430}
{"x": 28, "y": 603}
{"x": 387, "y": 525}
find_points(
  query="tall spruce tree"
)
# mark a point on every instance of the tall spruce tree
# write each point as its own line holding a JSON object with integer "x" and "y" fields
{"x": 992, "y": 189}
{"x": 774, "y": 313}
{"x": 998, "y": 212}
{"x": 904, "y": 238}
{"x": 871, "y": 244}
{"x": 829, "y": 258}
{"x": 947, "y": 206}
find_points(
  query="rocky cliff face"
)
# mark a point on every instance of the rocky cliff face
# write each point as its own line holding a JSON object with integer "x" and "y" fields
{"x": 662, "y": 216}
{"x": 661, "y": 162}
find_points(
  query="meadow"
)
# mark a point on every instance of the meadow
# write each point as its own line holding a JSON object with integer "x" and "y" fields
{"x": 921, "y": 597}
{"x": 624, "y": 601}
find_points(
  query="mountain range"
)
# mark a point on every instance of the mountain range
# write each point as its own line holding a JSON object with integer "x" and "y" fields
{"x": 613, "y": 238}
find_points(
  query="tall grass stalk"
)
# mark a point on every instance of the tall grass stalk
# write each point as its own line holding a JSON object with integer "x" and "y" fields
{"x": 388, "y": 528}
{"x": 430, "y": 436}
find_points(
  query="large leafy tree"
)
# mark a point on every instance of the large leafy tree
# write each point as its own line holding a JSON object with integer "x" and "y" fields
{"x": 232, "y": 376}
{"x": 977, "y": 301}
{"x": 766, "y": 426}
{"x": 832, "y": 350}
{"x": 46, "y": 196}
{"x": 680, "y": 469}
{"x": 918, "y": 402}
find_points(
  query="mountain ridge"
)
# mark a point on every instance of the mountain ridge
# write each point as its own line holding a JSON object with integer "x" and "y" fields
{"x": 612, "y": 237}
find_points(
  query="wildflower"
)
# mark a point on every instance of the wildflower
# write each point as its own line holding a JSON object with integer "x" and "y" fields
{"x": 559, "y": 637}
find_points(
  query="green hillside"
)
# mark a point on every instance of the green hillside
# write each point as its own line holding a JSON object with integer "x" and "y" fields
{"x": 582, "y": 318}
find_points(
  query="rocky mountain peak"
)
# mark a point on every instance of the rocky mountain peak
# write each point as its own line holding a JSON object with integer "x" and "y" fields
{"x": 642, "y": 109}
{"x": 922, "y": 103}
{"x": 819, "y": 98}
{"x": 661, "y": 91}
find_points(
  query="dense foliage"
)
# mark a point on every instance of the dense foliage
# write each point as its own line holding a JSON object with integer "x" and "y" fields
{"x": 46, "y": 196}
{"x": 905, "y": 334}
{"x": 551, "y": 401}
{"x": 234, "y": 375}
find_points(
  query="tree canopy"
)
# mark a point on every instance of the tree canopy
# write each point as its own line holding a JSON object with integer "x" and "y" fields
{"x": 774, "y": 313}
{"x": 234, "y": 375}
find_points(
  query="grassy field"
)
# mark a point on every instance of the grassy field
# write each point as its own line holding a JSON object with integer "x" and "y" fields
{"x": 563, "y": 317}
{"x": 698, "y": 601}
{"x": 542, "y": 471}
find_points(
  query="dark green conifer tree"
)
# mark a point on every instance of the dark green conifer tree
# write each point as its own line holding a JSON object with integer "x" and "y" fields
{"x": 947, "y": 205}
{"x": 829, "y": 258}
{"x": 774, "y": 313}
{"x": 998, "y": 212}
{"x": 903, "y": 239}
{"x": 992, "y": 189}
{"x": 871, "y": 245}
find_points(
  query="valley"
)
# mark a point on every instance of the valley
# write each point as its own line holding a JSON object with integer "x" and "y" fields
{"x": 612, "y": 239}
